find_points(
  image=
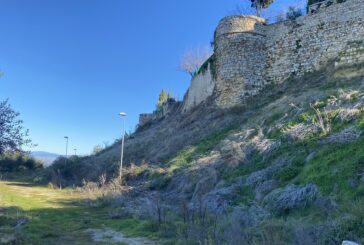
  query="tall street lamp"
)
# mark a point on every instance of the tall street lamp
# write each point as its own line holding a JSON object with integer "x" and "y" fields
{"x": 66, "y": 137}
{"x": 75, "y": 151}
{"x": 123, "y": 115}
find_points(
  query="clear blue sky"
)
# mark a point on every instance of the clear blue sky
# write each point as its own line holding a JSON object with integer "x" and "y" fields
{"x": 71, "y": 65}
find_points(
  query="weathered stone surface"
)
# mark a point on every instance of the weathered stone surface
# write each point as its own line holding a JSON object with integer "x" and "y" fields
{"x": 239, "y": 51}
{"x": 167, "y": 108}
{"x": 305, "y": 45}
{"x": 249, "y": 54}
{"x": 201, "y": 87}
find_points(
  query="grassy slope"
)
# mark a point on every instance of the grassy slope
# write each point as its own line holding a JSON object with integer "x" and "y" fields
{"x": 56, "y": 216}
{"x": 335, "y": 169}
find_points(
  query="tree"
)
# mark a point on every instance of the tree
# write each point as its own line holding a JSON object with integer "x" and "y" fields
{"x": 12, "y": 133}
{"x": 162, "y": 99}
{"x": 97, "y": 149}
{"x": 293, "y": 13}
{"x": 259, "y": 5}
{"x": 193, "y": 59}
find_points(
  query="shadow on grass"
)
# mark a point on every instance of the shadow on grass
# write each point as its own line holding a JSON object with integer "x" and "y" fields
{"x": 23, "y": 177}
{"x": 66, "y": 225}
{"x": 47, "y": 225}
{"x": 59, "y": 221}
{"x": 24, "y": 184}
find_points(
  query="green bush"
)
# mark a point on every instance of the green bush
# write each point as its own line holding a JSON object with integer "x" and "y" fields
{"x": 160, "y": 181}
{"x": 360, "y": 122}
{"x": 16, "y": 161}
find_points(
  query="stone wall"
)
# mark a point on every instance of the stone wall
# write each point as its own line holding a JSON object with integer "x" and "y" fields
{"x": 202, "y": 86}
{"x": 305, "y": 45}
{"x": 248, "y": 53}
{"x": 166, "y": 109}
{"x": 353, "y": 54}
{"x": 239, "y": 49}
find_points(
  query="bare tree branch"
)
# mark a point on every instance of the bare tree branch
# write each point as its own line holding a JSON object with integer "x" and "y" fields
{"x": 193, "y": 59}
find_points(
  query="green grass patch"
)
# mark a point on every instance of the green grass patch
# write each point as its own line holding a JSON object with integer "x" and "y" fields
{"x": 360, "y": 121}
{"x": 184, "y": 158}
{"x": 334, "y": 167}
{"x": 59, "y": 216}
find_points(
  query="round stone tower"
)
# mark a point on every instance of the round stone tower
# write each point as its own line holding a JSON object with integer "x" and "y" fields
{"x": 240, "y": 58}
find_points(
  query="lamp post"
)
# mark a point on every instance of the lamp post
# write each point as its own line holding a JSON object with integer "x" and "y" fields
{"x": 66, "y": 137}
{"x": 123, "y": 115}
{"x": 75, "y": 151}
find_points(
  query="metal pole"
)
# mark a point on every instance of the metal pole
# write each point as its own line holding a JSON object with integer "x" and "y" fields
{"x": 75, "y": 152}
{"x": 66, "y": 137}
{"x": 122, "y": 151}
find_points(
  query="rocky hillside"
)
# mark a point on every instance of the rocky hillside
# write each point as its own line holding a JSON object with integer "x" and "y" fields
{"x": 286, "y": 166}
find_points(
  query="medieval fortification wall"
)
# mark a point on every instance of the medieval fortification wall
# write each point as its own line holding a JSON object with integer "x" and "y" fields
{"x": 249, "y": 54}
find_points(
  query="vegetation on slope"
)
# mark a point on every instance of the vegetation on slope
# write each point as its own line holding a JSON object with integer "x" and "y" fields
{"x": 290, "y": 170}
{"x": 31, "y": 214}
{"x": 321, "y": 146}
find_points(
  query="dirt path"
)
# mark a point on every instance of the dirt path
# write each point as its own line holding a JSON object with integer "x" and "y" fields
{"x": 39, "y": 215}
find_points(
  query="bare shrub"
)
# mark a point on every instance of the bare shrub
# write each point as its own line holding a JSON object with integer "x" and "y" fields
{"x": 134, "y": 171}
{"x": 301, "y": 131}
{"x": 272, "y": 232}
{"x": 322, "y": 119}
{"x": 101, "y": 191}
{"x": 102, "y": 179}
{"x": 198, "y": 225}
{"x": 260, "y": 176}
{"x": 280, "y": 17}
{"x": 293, "y": 13}
{"x": 289, "y": 197}
{"x": 56, "y": 179}
{"x": 194, "y": 58}
{"x": 348, "y": 95}
{"x": 345, "y": 136}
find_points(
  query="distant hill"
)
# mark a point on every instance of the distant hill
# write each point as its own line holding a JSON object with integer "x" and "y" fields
{"x": 46, "y": 157}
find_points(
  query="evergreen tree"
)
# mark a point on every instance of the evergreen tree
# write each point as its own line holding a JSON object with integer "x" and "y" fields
{"x": 162, "y": 99}
{"x": 260, "y": 4}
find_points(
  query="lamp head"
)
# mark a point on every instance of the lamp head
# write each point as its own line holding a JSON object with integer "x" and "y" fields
{"x": 123, "y": 114}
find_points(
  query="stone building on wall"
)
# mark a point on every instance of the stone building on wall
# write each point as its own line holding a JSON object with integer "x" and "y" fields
{"x": 249, "y": 54}
{"x": 167, "y": 108}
